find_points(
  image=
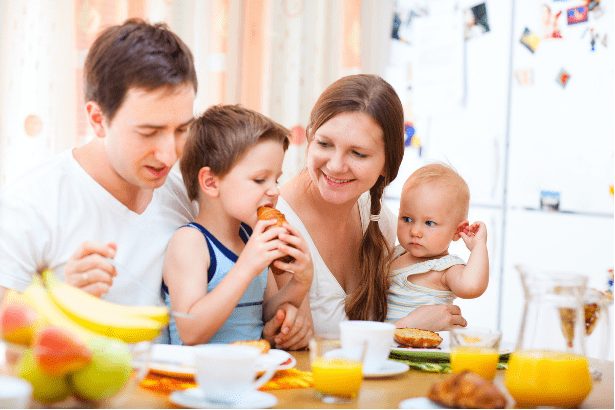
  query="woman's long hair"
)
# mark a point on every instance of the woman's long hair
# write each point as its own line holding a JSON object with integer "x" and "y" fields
{"x": 375, "y": 97}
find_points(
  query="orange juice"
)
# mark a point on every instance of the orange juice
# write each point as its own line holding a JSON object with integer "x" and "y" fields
{"x": 545, "y": 378}
{"x": 337, "y": 377}
{"x": 481, "y": 360}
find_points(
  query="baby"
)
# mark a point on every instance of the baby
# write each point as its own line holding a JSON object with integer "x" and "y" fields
{"x": 432, "y": 213}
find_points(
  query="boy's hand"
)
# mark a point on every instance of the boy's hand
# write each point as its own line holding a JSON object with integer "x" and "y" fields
{"x": 89, "y": 267}
{"x": 294, "y": 245}
{"x": 474, "y": 234}
{"x": 262, "y": 248}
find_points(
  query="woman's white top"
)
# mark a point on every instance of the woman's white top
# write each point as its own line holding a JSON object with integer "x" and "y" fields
{"x": 327, "y": 297}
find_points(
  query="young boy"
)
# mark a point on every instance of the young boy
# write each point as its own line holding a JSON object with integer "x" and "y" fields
{"x": 216, "y": 268}
{"x": 432, "y": 213}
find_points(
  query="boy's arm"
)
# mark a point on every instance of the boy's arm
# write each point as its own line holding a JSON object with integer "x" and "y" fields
{"x": 185, "y": 274}
{"x": 471, "y": 281}
{"x": 300, "y": 271}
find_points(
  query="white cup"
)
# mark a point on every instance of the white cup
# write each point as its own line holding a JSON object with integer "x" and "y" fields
{"x": 226, "y": 372}
{"x": 377, "y": 335}
{"x": 15, "y": 393}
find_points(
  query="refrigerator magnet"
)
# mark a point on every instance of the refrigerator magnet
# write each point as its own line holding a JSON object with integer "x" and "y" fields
{"x": 524, "y": 76}
{"x": 530, "y": 40}
{"x": 549, "y": 200}
{"x": 577, "y": 15}
{"x": 562, "y": 78}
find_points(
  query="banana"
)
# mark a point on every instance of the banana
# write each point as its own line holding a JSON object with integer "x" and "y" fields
{"x": 88, "y": 302}
{"x": 98, "y": 318}
{"x": 37, "y": 297}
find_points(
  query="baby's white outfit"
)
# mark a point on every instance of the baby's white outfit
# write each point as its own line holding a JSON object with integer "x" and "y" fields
{"x": 404, "y": 296}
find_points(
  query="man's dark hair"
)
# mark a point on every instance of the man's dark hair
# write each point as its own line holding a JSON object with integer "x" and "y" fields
{"x": 135, "y": 54}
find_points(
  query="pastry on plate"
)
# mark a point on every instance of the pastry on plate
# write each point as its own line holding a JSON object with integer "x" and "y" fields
{"x": 467, "y": 390}
{"x": 261, "y": 344}
{"x": 412, "y": 337}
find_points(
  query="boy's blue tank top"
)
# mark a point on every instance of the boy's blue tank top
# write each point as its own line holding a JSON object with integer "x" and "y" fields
{"x": 246, "y": 320}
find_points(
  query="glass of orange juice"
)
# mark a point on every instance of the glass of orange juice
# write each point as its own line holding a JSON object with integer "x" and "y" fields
{"x": 476, "y": 350}
{"x": 337, "y": 372}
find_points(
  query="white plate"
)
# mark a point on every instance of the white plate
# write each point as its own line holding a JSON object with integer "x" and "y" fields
{"x": 445, "y": 346}
{"x": 419, "y": 403}
{"x": 389, "y": 368}
{"x": 195, "y": 399}
{"x": 178, "y": 360}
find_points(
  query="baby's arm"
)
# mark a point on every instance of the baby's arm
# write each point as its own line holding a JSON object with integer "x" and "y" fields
{"x": 471, "y": 281}
{"x": 185, "y": 273}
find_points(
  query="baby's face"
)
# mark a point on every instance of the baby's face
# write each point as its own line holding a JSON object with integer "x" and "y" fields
{"x": 429, "y": 217}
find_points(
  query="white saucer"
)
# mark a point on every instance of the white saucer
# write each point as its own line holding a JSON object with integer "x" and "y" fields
{"x": 419, "y": 403}
{"x": 194, "y": 399}
{"x": 389, "y": 368}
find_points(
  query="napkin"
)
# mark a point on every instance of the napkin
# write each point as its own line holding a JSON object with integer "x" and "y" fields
{"x": 434, "y": 362}
{"x": 283, "y": 379}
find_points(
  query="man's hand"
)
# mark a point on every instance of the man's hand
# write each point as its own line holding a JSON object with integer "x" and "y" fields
{"x": 289, "y": 328}
{"x": 90, "y": 268}
{"x": 434, "y": 318}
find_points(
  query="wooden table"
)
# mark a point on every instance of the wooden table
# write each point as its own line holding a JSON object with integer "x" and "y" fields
{"x": 382, "y": 393}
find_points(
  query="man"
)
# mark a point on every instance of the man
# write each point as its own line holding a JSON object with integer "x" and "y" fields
{"x": 101, "y": 215}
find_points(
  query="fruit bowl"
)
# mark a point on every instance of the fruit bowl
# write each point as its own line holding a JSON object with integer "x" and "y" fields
{"x": 108, "y": 379}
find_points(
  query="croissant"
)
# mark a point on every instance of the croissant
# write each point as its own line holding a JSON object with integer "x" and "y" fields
{"x": 267, "y": 212}
{"x": 467, "y": 390}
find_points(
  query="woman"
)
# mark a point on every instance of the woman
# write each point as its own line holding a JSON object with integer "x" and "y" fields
{"x": 355, "y": 147}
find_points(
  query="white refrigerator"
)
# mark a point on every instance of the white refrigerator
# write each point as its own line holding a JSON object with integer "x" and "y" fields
{"x": 516, "y": 132}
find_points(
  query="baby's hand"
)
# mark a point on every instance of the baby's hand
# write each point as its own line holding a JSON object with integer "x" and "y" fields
{"x": 474, "y": 234}
{"x": 294, "y": 245}
{"x": 262, "y": 248}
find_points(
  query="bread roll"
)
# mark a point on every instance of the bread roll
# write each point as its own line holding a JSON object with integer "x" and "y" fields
{"x": 411, "y": 337}
{"x": 261, "y": 344}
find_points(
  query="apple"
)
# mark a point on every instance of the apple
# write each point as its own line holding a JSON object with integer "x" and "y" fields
{"x": 58, "y": 351}
{"x": 107, "y": 373}
{"x": 45, "y": 387}
{"x": 19, "y": 323}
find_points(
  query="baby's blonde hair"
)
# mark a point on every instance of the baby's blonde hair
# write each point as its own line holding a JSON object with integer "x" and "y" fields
{"x": 445, "y": 177}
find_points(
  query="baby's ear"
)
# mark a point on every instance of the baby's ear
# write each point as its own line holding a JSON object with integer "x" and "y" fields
{"x": 209, "y": 182}
{"x": 461, "y": 228}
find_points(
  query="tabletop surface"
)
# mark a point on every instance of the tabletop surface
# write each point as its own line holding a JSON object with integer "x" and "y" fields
{"x": 381, "y": 393}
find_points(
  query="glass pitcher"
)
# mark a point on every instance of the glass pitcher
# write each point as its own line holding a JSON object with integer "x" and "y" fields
{"x": 549, "y": 366}
{"x": 598, "y": 333}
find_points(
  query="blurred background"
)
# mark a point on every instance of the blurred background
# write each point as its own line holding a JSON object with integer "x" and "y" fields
{"x": 517, "y": 95}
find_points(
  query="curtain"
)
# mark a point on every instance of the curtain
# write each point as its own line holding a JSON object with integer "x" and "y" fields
{"x": 274, "y": 56}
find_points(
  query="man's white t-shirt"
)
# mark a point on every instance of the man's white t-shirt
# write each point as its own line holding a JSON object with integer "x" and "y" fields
{"x": 327, "y": 297}
{"x": 47, "y": 214}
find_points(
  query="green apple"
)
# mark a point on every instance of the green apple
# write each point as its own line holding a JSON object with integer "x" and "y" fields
{"x": 107, "y": 373}
{"x": 45, "y": 388}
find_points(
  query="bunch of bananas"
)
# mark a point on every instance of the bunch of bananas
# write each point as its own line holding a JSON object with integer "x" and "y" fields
{"x": 87, "y": 316}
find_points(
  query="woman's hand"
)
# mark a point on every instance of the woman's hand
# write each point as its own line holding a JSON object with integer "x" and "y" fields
{"x": 289, "y": 328}
{"x": 434, "y": 318}
{"x": 90, "y": 268}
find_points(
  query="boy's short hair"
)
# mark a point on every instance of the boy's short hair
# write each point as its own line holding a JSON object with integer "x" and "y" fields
{"x": 135, "y": 54}
{"x": 445, "y": 176}
{"x": 220, "y": 136}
